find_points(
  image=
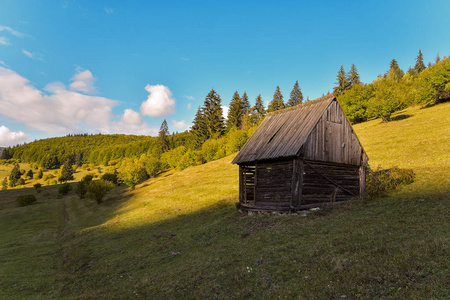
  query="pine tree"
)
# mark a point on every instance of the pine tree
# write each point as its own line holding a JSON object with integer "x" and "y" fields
{"x": 296, "y": 96}
{"x": 236, "y": 112}
{"x": 5, "y": 184}
{"x": 66, "y": 173}
{"x": 15, "y": 174}
{"x": 353, "y": 77}
{"x": 395, "y": 74}
{"x": 213, "y": 115}
{"x": 438, "y": 59}
{"x": 199, "y": 129}
{"x": 419, "y": 66}
{"x": 342, "y": 82}
{"x": 277, "y": 102}
{"x": 245, "y": 104}
{"x": 163, "y": 137}
{"x": 258, "y": 112}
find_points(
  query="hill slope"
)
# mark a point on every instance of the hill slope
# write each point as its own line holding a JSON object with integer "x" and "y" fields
{"x": 179, "y": 235}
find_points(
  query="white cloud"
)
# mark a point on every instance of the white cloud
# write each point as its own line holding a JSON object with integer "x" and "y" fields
{"x": 109, "y": 10}
{"x": 83, "y": 82}
{"x": 225, "y": 110}
{"x": 32, "y": 55}
{"x": 179, "y": 124}
{"x": 10, "y": 30}
{"x": 189, "y": 97}
{"x": 131, "y": 123}
{"x": 4, "y": 41}
{"x": 60, "y": 110}
{"x": 189, "y": 106}
{"x": 10, "y": 138}
{"x": 159, "y": 102}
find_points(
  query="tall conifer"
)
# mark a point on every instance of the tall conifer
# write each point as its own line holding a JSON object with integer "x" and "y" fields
{"x": 342, "y": 82}
{"x": 258, "y": 112}
{"x": 212, "y": 114}
{"x": 163, "y": 137}
{"x": 245, "y": 104}
{"x": 277, "y": 102}
{"x": 419, "y": 66}
{"x": 199, "y": 128}
{"x": 236, "y": 112}
{"x": 353, "y": 77}
{"x": 296, "y": 96}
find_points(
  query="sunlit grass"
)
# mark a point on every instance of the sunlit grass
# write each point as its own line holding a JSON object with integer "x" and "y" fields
{"x": 180, "y": 236}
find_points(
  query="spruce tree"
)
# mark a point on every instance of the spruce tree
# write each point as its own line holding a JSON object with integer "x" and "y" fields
{"x": 163, "y": 137}
{"x": 236, "y": 112}
{"x": 66, "y": 173}
{"x": 213, "y": 116}
{"x": 296, "y": 96}
{"x": 258, "y": 112}
{"x": 245, "y": 104}
{"x": 199, "y": 128}
{"x": 395, "y": 74}
{"x": 353, "y": 77}
{"x": 438, "y": 59}
{"x": 342, "y": 82}
{"x": 15, "y": 174}
{"x": 277, "y": 102}
{"x": 419, "y": 66}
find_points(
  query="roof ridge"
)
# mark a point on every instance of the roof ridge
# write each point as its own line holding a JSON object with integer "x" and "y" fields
{"x": 308, "y": 103}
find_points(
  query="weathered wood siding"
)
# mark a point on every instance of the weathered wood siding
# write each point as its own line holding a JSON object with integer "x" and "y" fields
{"x": 333, "y": 139}
{"x": 273, "y": 189}
{"x": 329, "y": 183}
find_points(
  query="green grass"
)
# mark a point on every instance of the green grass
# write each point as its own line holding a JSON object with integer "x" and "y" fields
{"x": 179, "y": 235}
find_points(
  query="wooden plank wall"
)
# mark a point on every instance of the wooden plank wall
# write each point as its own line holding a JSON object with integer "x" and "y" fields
{"x": 332, "y": 139}
{"x": 274, "y": 185}
{"x": 317, "y": 189}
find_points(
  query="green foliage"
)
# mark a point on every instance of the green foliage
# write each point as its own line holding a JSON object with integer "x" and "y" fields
{"x": 64, "y": 189}
{"x": 380, "y": 182}
{"x": 37, "y": 186}
{"x": 48, "y": 176}
{"x": 354, "y": 102}
{"x": 395, "y": 74}
{"x": 111, "y": 177}
{"x": 15, "y": 174}
{"x": 87, "y": 177}
{"x": 66, "y": 173}
{"x": 81, "y": 188}
{"x": 25, "y": 200}
{"x": 21, "y": 181}
{"x": 213, "y": 115}
{"x": 296, "y": 96}
{"x": 277, "y": 102}
{"x": 387, "y": 100}
{"x": 171, "y": 158}
{"x": 353, "y": 77}
{"x": 434, "y": 84}
{"x": 30, "y": 173}
{"x": 163, "y": 139}
{"x": 245, "y": 104}
{"x": 236, "y": 112}
{"x": 419, "y": 66}
{"x": 235, "y": 140}
{"x": 132, "y": 172}
{"x": 152, "y": 165}
{"x": 97, "y": 190}
{"x": 258, "y": 111}
{"x": 342, "y": 82}
{"x": 40, "y": 174}
{"x": 188, "y": 159}
{"x": 5, "y": 184}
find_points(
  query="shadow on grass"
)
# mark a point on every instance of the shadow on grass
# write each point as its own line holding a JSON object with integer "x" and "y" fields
{"x": 401, "y": 117}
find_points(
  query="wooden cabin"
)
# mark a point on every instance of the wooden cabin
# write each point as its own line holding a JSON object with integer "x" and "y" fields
{"x": 301, "y": 157}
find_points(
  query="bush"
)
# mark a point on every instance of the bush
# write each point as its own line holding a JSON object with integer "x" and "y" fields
{"x": 98, "y": 189}
{"x": 37, "y": 186}
{"x": 64, "y": 189}
{"x": 24, "y": 200}
{"x": 81, "y": 189}
{"x": 21, "y": 181}
{"x": 110, "y": 177}
{"x": 152, "y": 165}
{"x": 379, "y": 183}
{"x": 47, "y": 177}
{"x": 87, "y": 178}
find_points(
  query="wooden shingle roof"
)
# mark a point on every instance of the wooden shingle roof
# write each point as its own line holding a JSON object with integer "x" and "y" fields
{"x": 282, "y": 133}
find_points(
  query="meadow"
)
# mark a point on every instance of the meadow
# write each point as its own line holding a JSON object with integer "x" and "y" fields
{"x": 179, "y": 235}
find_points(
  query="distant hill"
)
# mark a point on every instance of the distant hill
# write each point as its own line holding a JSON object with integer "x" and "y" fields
{"x": 79, "y": 149}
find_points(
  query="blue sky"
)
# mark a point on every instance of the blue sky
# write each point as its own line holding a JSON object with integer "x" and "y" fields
{"x": 124, "y": 66}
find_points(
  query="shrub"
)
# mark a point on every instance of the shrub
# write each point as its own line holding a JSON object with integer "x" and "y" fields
{"x": 152, "y": 165}
{"x": 47, "y": 177}
{"x": 87, "y": 177}
{"x": 64, "y": 189}
{"x": 379, "y": 183}
{"x": 98, "y": 189}
{"x": 37, "y": 186}
{"x": 110, "y": 177}
{"x": 81, "y": 189}
{"x": 24, "y": 200}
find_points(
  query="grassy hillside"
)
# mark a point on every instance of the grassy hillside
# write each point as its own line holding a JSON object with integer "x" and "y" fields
{"x": 179, "y": 235}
